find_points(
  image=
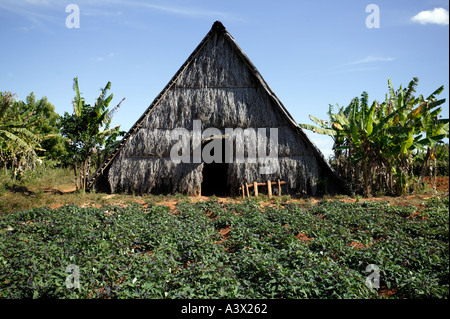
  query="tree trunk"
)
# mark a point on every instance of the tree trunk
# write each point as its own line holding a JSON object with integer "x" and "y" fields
{"x": 87, "y": 171}
{"x": 404, "y": 171}
{"x": 83, "y": 174}
{"x": 76, "y": 175}
{"x": 424, "y": 169}
{"x": 391, "y": 179}
{"x": 365, "y": 177}
{"x": 435, "y": 175}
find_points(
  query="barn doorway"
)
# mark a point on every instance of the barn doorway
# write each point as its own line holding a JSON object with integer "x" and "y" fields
{"x": 215, "y": 175}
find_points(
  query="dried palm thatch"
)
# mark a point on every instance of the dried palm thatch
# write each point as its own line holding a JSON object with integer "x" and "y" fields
{"x": 219, "y": 86}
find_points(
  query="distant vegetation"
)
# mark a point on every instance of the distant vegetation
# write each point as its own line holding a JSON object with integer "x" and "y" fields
{"x": 388, "y": 147}
{"x": 26, "y": 127}
{"x": 32, "y": 133}
{"x": 379, "y": 149}
{"x": 171, "y": 246}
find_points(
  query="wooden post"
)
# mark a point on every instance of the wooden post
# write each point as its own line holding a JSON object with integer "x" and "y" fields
{"x": 243, "y": 191}
{"x": 279, "y": 187}
{"x": 269, "y": 188}
{"x": 255, "y": 186}
{"x": 248, "y": 193}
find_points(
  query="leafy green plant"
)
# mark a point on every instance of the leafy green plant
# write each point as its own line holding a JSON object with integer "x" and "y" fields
{"x": 283, "y": 251}
{"x": 88, "y": 130}
{"x": 19, "y": 142}
{"x": 376, "y": 143}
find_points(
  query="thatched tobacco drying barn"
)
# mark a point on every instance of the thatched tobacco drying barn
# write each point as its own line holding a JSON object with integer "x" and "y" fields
{"x": 220, "y": 86}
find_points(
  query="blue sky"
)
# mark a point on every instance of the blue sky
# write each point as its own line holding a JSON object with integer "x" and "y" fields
{"x": 311, "y": 53}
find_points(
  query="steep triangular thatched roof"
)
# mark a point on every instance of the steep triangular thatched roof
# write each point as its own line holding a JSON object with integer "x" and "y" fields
{"x": 218, "y": 29}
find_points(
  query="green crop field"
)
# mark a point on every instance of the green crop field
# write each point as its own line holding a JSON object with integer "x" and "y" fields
{"x": 226, "y": 250}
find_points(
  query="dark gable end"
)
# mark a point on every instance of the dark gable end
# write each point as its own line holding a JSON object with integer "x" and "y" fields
{"x": 219, "y": 85}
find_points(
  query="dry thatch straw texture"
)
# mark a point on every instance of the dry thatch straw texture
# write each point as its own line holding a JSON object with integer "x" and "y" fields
{"x": 221, "y": 87}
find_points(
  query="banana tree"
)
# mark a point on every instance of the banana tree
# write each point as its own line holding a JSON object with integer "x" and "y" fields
{"x": 88, "y": 129}
{"x": 399, "y": 132}
{"x": 433, "y": 129}
{"x": 351, "y": 128}
{"x": 420, "y": 118}
{"x": 382, "y": 137}
{"x": 18, "y": 140}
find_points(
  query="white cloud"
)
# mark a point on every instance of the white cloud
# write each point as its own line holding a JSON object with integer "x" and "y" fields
{"x": 38, "y": 12}
{"x": 38, "y": 2}
{"x": 185, "y": 11}
{"x": 370, "y": 59}
{"x": 363, "y": 65}
{"x": 110, "y": 55}
{"x": 359, "y": 70}
{"x": 26, "y": 29}
{"x": 437, "y": 16}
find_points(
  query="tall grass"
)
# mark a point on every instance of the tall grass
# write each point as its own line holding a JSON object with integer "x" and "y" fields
{"x": 44, "y": 175}
{"x": 33, "y": 186}
{"x": 52, "y": 186}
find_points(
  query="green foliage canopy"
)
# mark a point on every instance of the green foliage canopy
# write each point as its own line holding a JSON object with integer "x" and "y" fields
{"x": 19, "y": 139}
{"x": 383, "y": 138}
{"x": 88, "y": 130}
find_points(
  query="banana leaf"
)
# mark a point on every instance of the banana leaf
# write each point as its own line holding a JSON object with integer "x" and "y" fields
{"x": 430, "y": 140}
{"x": 318, "y": 130}
{"x": 437, "y": 92}
{"x": 318, "y": 121}
{"x": 407, "y": 144}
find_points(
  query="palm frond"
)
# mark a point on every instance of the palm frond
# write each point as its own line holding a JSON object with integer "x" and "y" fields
{"x": 110, "y": 114}
{"x": 14, "y": 141}
{"x": 78, "y": 101}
